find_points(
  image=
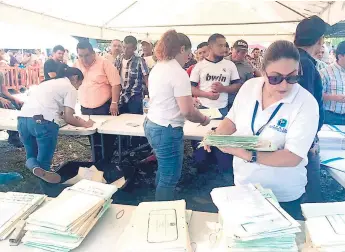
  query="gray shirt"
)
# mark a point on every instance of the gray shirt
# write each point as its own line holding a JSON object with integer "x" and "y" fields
{"x": 245, "y": 71}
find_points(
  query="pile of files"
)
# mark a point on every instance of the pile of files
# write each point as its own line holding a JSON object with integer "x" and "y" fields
{"x": 63, "y": 223}
{"x": 331, "y": 137}
{"x": 245, "y": 142}
{"x": 325, "y": 226}
{"x": 252, "y": 220}
{"x": 14, "y": 207}
{"x": 157, "y": 227}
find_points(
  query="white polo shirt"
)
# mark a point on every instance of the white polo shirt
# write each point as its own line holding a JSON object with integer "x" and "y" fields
{"x": 167, "y": 81}
{"x": 207, "y": 72}
{"x": 294, "y": 128}
{"x": 49, "y": 99}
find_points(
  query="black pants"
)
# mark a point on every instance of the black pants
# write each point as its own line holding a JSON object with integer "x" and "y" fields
{"x": 293, "y": 208}
{"x": 108, "y": 139}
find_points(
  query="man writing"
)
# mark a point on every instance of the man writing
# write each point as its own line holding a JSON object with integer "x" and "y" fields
{"x": 134, "y": 75}
{"x": 52, "y": 65}
{"x": 100, "y": 90}
{"x": 115, "y": 50}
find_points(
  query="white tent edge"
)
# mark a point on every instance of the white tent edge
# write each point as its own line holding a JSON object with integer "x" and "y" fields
{"x": 15, "y": 15}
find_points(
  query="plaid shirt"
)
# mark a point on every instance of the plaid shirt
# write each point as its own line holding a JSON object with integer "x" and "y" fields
{"x": 333, "y": 80}
{"x": 257, "y": 62}
{"x": 320, "y": 65}
{"x": 133, "y": 80}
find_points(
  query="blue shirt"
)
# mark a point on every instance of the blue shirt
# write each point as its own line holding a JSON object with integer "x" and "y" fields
{"x": 333, "y": 79}
{"x": 311, "y": 81}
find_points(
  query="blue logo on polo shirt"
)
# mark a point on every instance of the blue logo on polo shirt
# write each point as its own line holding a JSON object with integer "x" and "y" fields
{"x": 281, "y": 126}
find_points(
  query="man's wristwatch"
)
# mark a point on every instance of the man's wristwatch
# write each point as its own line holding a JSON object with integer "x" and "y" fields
{"x": 254, "y": 157}
{"x": 114, "y": 102}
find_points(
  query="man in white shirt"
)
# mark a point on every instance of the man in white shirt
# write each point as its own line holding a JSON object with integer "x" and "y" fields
{"x": 217, "y": 78}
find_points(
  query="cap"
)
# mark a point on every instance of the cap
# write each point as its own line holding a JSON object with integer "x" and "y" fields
{"x": 147, "y": 40}
{"x": 340, "y": 49}
{"x": 241, "y": 44}
{"x": 309, "y": 31}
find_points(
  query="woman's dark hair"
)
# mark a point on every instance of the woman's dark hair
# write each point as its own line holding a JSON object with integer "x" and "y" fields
{"x": 66, "y": 71}
{"x": 170, "y": 45}
{"x": 280, "y": 49}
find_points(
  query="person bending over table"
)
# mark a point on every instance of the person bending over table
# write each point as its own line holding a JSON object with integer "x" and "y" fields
{"x": 39, "y": 117}
{"x": 99, "y": 94}
{"x": 274, "y": 107}
{"x": 171, "y": 103}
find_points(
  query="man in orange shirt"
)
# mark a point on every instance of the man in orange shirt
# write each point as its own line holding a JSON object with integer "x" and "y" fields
{"x": 100, "y": 91}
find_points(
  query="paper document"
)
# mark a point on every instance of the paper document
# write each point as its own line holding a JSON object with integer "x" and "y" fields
{"x": 212, "y": 113}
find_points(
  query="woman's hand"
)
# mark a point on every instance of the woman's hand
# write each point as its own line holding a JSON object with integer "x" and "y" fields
{"x": 5, "y": 103}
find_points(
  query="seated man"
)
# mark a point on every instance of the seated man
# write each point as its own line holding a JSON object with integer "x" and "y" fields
{"x": 7, "y": 101}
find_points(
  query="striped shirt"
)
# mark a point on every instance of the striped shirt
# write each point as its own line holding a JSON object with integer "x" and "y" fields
{"x": 320, "y": 65}
{"x": 333, "y": 80}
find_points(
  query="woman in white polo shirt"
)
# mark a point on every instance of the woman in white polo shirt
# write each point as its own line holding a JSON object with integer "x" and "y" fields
{"x": 171, "y": 103}
{"x": 38, "y": 119}
{"x": 277, "y": 108}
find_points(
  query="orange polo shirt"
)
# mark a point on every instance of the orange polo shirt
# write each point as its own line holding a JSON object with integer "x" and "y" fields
{"x": 98, "y": 80}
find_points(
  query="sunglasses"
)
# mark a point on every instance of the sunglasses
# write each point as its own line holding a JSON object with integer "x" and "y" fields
{"x": 275, "y": 80}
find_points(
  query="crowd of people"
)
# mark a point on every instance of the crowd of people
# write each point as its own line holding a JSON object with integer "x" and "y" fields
{"x": 284, "y": 95}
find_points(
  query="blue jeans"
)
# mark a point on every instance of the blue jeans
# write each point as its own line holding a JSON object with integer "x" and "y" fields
{"x": 168, "y": 146}
{"x": 313, "y": 188}
{"x": 334, "y": 118}
{"x": 39, "y": 139}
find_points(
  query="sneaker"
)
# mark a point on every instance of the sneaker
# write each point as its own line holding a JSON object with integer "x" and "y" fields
{"x": 50, "y": 177}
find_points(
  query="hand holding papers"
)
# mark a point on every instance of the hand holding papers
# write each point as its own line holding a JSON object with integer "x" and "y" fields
{"x": 63, "y": 223}
{"x": 245, "y": 142}
{"x": 212, "y": 113}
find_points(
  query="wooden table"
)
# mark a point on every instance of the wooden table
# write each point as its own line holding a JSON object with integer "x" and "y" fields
{"x": 104, "y": 235}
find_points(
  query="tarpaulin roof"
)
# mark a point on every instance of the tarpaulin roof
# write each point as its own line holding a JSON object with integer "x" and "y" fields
{"x": 253, "y": 20}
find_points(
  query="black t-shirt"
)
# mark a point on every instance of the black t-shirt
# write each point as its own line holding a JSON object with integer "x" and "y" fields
{"x": 50, "y": 66}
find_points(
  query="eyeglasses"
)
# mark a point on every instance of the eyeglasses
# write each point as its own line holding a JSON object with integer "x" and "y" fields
{"x": 275, "y": 80}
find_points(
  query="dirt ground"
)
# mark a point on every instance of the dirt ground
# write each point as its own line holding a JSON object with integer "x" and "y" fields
{"x": 194, "y": 188}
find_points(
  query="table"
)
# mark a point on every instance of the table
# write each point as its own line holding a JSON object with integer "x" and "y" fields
{"x": 104, "y": 236}
{"x": 132, "y": 125}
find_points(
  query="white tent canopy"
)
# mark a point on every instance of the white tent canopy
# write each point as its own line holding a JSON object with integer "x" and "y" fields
{"x": 253, "y": 20}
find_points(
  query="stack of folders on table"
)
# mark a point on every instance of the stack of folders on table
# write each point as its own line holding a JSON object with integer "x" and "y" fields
{"x": 14, "y": 207}
{"x": 252, "y": 220}
{"x": 63, "y": 223}
{"x": 325, "y": 226}
{"x": 331, "y": 137}
{"x": 156, "y": 227}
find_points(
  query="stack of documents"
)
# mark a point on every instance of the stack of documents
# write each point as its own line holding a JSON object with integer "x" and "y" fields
{"x": 212, "y": 113}
{"x": 245, "y": 142}
{"x": 14, "y": 207}
{"x": 63, "y": 223}
{"x": 325, "y": 226}
{"x": 332, "y": 137}
{"x": 252, "y": 220}
{"x": 156, "y": 227}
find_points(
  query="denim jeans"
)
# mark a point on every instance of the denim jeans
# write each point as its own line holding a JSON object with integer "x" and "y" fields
{"x": 334, "y": 118}
{"x": 109, "y": 140}
{"x": 168, "y": 146}
{"x": 313, "y": 188}
{"x": 39, "y": 139}
{"x": 293, "y": 208}
{"x": 133, "y": 106}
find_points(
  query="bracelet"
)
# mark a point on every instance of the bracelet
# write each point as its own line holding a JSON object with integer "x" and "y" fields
{"x": 114, "y": 102}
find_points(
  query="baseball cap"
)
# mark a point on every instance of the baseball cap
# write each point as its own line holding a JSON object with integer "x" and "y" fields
{"x": 147, "y": 40}
{"x": 309, "y": 31}
{"x": 241, "y": 44}
{"x": 340, "y": 49}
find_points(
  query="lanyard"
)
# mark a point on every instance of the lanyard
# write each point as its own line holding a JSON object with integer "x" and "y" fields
{"x": 263, "y": 126}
